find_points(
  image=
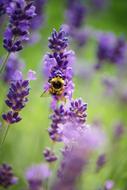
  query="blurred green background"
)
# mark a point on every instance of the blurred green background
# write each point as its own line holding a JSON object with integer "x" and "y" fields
{"x": 26, "y": 140}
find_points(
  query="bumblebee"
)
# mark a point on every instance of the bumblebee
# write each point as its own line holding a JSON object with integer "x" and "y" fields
{"x": 57, "y": 85}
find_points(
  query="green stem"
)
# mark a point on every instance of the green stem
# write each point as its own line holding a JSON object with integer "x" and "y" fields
{"x": 4, "y": 63}
{"x": 47, "y": 184}
{"x": 5, "y": 135}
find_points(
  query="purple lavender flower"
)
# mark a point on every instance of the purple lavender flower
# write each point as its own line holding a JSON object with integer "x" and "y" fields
{"x": 58, "y": 69}
{"x": 7, "y": 177}
{"x": 36, "y": 175}
{"x": 20, "y": 14}
{"x": 49, "y": 155}
{"x": 17, "y": 97}
{"x": 13, "y": 64}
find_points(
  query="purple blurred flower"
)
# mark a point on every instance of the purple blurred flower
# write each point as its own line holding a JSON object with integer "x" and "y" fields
{"x": 7, "y": 177}
{"x": 118, "y": 130}
{"x": 72, "y": 166}
{"x": 123, "y": 95}
{"x": 75, "y": 17}
{"x": 20, "y": 14}
{"x": 104, "y": 50}
{"x": 82, "y": 141}
{"x": 13, "y": 64}
{"x": 119, "y": 51}
{"x": 78, "y": 134}
{"x": 109, "y": 184}
{"x": 17, "y": 97}
{"x": 37, "y": 21}
{"x": 81, "y": 37}
{"x": 31, "y": 75}
{"x": 76, "y": 113}
{"x": 75, "y": 14}
{"x": 99, "y": 4}
{"x": 58, "y": 68}
{"x": 49, "y": 155}
{"x": 110, "y": 84}
{"x": 100, "y": 162}
{"x": 111, "y": 49}
{"x": 36, "y": 175}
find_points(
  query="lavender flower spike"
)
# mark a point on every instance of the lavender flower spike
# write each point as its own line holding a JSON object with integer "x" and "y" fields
{"x": 20, "y": 14}
{"x": 7, "y": 177}
{"x": 58, "y": 68}
{"x": 17, "y": 96}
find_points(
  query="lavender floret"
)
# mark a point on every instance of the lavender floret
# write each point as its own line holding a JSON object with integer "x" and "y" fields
{"x": 58, "y": 41}
{"x": 7, "y": 177}
{"x": 49, "y": 155}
